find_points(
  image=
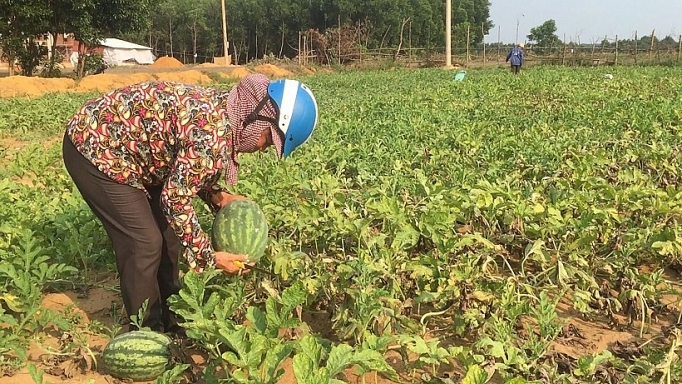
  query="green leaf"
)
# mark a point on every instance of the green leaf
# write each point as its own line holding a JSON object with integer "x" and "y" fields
{"x": 304, "y": 367}
{"x": 517, "y": 380}
{"x": 173, "y": 375}
{"x": 236, "y": 340}
{"x": 475, "y": 375}
{"x": 494, "y": 348}
{"x": 310, "y": 347}
{"x": 373, "y": 361}
{"x": 339, "y": 358}
{"x": 257, "y": 319}
{"x": 273, "y": 358}
{"x": 293, "y": 296}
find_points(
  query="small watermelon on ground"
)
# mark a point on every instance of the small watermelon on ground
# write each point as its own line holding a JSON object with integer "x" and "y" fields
{"x": 137, "y": 355}
{"x": 241, "y": 228}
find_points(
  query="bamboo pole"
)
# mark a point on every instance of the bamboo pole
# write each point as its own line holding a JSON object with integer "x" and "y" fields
{"x": 651, "y": 46}
{"x": 483, "y": 34}
{"x": 635, "y": 47}
{"x": 339, "y": 46}
{"x": 409, "y": 39}
{"x": 225, "y": 46}
{"x": 448, "y": 33}
{"x": 498, "y": 44}
{"x": 468, "y": 39}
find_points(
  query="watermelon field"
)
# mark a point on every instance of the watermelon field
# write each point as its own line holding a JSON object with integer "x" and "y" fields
{"x": 502, "y": 229}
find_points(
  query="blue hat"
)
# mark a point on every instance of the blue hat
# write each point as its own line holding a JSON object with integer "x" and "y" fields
{"x": 297, "y": 112}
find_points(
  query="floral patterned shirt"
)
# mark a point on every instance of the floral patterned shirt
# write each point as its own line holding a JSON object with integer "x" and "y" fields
{"x": 161, "y": 133}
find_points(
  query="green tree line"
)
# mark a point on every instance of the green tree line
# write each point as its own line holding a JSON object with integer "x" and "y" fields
{"x": 271, "y": 27}
{"x": 255, "y": 27}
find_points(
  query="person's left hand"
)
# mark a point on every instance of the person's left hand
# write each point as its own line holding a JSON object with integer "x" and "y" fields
{"x": 231, "y": 263}
{"x": 223, "y": 198}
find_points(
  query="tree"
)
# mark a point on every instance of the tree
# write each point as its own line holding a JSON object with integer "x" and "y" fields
{"x": 20, "y": 21}
{"x": 471, "y": 14}
{"x": 107, "y": 17}
{"x": 255, "y": 27}
{"x": 91, "y": 20}
{"x": 545, "y": 36}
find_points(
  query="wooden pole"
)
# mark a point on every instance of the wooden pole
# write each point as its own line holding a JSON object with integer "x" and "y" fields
{"x": 615, "y": 60}
{"x": 305, "y": 49}
{"x": 468, "y": 39}
{"x": 225, "y": 46}
{"x": 635, "y": 47}
{"x": 651, "y": 47}
{"x": 483, "y": 34}
{"x": 679, "y": 48}
{"x": 409, "y": 39}
{"x": 563, "y": 52}
{"x": 339, "y": 39}
{"x": 448, "y": 33}
{"x": 498, "y": 44}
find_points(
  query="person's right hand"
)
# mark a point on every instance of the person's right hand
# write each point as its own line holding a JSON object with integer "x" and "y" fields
{"x": 223, "y": 198}
{"x": 230, "y": 262}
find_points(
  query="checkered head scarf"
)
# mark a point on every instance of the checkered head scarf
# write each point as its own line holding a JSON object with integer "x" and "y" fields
{"x": 250, "y": 111}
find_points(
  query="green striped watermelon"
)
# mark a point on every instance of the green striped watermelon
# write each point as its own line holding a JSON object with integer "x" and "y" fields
{"x": 137, "y": 355}
{"x": 241, "y": 228}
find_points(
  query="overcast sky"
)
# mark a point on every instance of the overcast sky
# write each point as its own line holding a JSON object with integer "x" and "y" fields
{"x": 588, "y": 19}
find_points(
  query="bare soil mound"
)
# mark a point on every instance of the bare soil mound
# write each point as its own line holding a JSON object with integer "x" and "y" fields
{"x": 187, "y": 77}
{"x": 208, "y": 65}
{"x": 106, "y": 82}
{"x": 167, "y": 62}
{"x": 162, "y": 69}
{"x": 17, "y": 86}
{"x": 272, "y": 71}
{"x": 236, "y": 72}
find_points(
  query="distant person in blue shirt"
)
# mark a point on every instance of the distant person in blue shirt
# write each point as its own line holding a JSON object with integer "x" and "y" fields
{"x": 516, "y": 57}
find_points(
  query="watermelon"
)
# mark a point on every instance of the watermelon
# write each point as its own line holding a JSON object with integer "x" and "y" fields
{"x": 137, "y": 355}
{"x": 240, "y": 227}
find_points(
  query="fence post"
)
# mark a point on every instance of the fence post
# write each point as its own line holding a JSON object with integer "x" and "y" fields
{"x": 615, "y": 60}
{"x": 483, "y": 34}
{"x": 339, "y": 45}
{"x": 498, "y": 45}
{"x": 651, "y": 47}
{"x": 468, "y": 39}
{"x": 679, "y": 48}
{"x": 305, "y": 47}
{"x": 409, "y": 38}
{"x": 635, "y": 47}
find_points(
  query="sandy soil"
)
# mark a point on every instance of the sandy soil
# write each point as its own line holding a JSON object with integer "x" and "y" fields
{"x": 167, "y": 69}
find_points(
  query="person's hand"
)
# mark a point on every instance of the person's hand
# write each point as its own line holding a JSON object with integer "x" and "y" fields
{"x": 230, "y": 263}
{"x": 222, "y": 198}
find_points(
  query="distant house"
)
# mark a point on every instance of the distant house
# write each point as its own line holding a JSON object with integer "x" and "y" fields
{"x": 117, "y": 52}
{"x": 62, "y": 42}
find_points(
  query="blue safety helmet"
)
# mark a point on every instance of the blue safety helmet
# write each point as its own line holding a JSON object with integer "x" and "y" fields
{"x": 297, "y": 112}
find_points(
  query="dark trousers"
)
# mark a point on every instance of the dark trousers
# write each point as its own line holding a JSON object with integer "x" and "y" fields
{"x": 516, "y": 69}
{"x": 146, "y": 247}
